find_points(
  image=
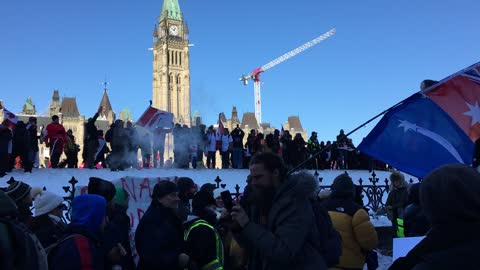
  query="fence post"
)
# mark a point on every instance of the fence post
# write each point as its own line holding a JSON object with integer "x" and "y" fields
{"x": 218, "y": 180}
{"x": 70, "y": 190}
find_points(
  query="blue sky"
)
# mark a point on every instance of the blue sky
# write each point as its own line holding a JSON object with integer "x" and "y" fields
{"x": 380, "y": 54}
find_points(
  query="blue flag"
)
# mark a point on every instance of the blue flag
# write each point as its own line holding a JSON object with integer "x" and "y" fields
{"x": 417, "y": 137}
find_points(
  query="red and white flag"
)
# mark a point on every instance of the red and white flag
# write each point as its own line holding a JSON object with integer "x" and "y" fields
{"x": 220, "y": 125}
{"x": 459, "y": 97}
{"x": 154, "y": 118}
{"x": 10, "y": 118}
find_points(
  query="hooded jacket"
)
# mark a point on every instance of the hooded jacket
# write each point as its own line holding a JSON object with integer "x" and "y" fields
{"x": 7, "y": 254}
{"x": 352, "y": 222}
{"x": 81, "y": 250}
{"x": 397, "y": 197}
{"x": 286, "y": 242}
{"x": 17, "y": 242}
{"x": 451, "y": 203}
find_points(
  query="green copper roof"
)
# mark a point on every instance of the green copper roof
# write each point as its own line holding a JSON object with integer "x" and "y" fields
{"x": 171, "y": 10}
{"x": 126, "y": 115}
{"x": 29, "y": 104}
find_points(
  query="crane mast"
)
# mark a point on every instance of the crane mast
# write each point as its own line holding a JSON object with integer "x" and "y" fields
{"x": 255, "y": 74}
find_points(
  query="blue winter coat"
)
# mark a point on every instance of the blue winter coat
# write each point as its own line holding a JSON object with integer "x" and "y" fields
{"x": 81, "y": 249}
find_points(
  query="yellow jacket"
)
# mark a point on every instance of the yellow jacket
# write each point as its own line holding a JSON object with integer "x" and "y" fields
{"x": 358, "y": 235}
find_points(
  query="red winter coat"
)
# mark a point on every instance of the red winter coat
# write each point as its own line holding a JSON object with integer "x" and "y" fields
{"x": 56, "y": 137}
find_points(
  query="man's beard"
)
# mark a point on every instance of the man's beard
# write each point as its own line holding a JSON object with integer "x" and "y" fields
{"x": 263, "y": 199}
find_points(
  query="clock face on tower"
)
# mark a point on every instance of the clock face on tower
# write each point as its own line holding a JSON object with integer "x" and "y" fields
{"x": 173, "y": 30}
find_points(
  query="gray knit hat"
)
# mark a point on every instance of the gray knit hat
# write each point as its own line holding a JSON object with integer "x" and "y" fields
{"x": 17, "y": 190}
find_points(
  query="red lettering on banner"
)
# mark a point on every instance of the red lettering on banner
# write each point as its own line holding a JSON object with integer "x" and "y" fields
{"x": 140, "y": 213}
{"x": 129, "y": 188}
{"x": 161, "y": 179}
{"x": 145, "y": 185}
{"x": 131, "y": 219}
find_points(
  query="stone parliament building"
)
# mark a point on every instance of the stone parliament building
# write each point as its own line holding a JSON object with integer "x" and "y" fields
{"x": 67, "y": 110}
{"x": 171, "y": 91}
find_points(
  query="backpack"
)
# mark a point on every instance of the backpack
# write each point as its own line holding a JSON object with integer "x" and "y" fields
{"x": 25, "y": 245}
{"x": 330, "y": 242}
{"x": 51, "y": 249}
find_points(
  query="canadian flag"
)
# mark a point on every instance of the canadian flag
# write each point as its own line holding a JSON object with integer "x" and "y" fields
{"x": 220, "y": 125}
{"x": 10, "y": 118}
{"x": 154, "y": 118}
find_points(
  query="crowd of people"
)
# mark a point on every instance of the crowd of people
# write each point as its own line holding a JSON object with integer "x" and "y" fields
{"x": 236, "y": 151}
{"x": 279, "y": 222}
{"x": 120, "y": 146}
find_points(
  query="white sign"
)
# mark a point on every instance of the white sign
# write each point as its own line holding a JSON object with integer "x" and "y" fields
{"x": 401, "y": 246}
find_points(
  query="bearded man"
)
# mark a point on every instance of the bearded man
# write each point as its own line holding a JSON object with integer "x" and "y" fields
{"x": 280, "y": 231}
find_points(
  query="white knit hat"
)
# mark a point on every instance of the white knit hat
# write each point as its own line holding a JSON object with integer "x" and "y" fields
{"x": 216, "y": 193}
{"x": 45, "y": 202}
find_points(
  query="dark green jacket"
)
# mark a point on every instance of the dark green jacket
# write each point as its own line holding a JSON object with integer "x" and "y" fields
{"x": 397, "y": 199}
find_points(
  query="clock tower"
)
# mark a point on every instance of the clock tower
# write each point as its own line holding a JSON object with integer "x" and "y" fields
{"x": 171, "y": 63}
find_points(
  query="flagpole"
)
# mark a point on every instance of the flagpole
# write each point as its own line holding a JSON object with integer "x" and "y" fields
{"x": 344, "y": 136}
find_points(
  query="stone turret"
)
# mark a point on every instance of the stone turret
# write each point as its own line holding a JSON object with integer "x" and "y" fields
{"x": 55, "y": 104}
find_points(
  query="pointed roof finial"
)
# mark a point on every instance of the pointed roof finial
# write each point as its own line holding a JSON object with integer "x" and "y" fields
{"x": 105, "y": 83}
{"x": 155, "y": 31}
{"x": 105, "y": 102}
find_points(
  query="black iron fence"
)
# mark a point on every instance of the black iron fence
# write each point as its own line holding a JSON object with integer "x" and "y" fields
{"x": 375, "y": 191}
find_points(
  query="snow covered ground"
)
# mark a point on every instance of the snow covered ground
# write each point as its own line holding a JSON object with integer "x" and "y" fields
{"x": 54, "y": 179}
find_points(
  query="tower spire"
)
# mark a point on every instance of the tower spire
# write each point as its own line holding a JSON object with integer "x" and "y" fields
{"x": 155, "y": 31}
{"x": 171, "y": 10}
{"x": 107, "y": 112}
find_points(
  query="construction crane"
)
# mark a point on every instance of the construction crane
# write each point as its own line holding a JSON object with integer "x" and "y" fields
{"x": 255, "y": 74}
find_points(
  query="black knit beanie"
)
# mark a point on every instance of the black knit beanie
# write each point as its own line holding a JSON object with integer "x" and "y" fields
{"x": 162, "y": 189}
{"x": 184, "y": 184}
{"x": 201, "y": 200}
{"x": 17, "y": 190}
{"x": 101, "y": 187}
{"x": 343, "y": 186}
